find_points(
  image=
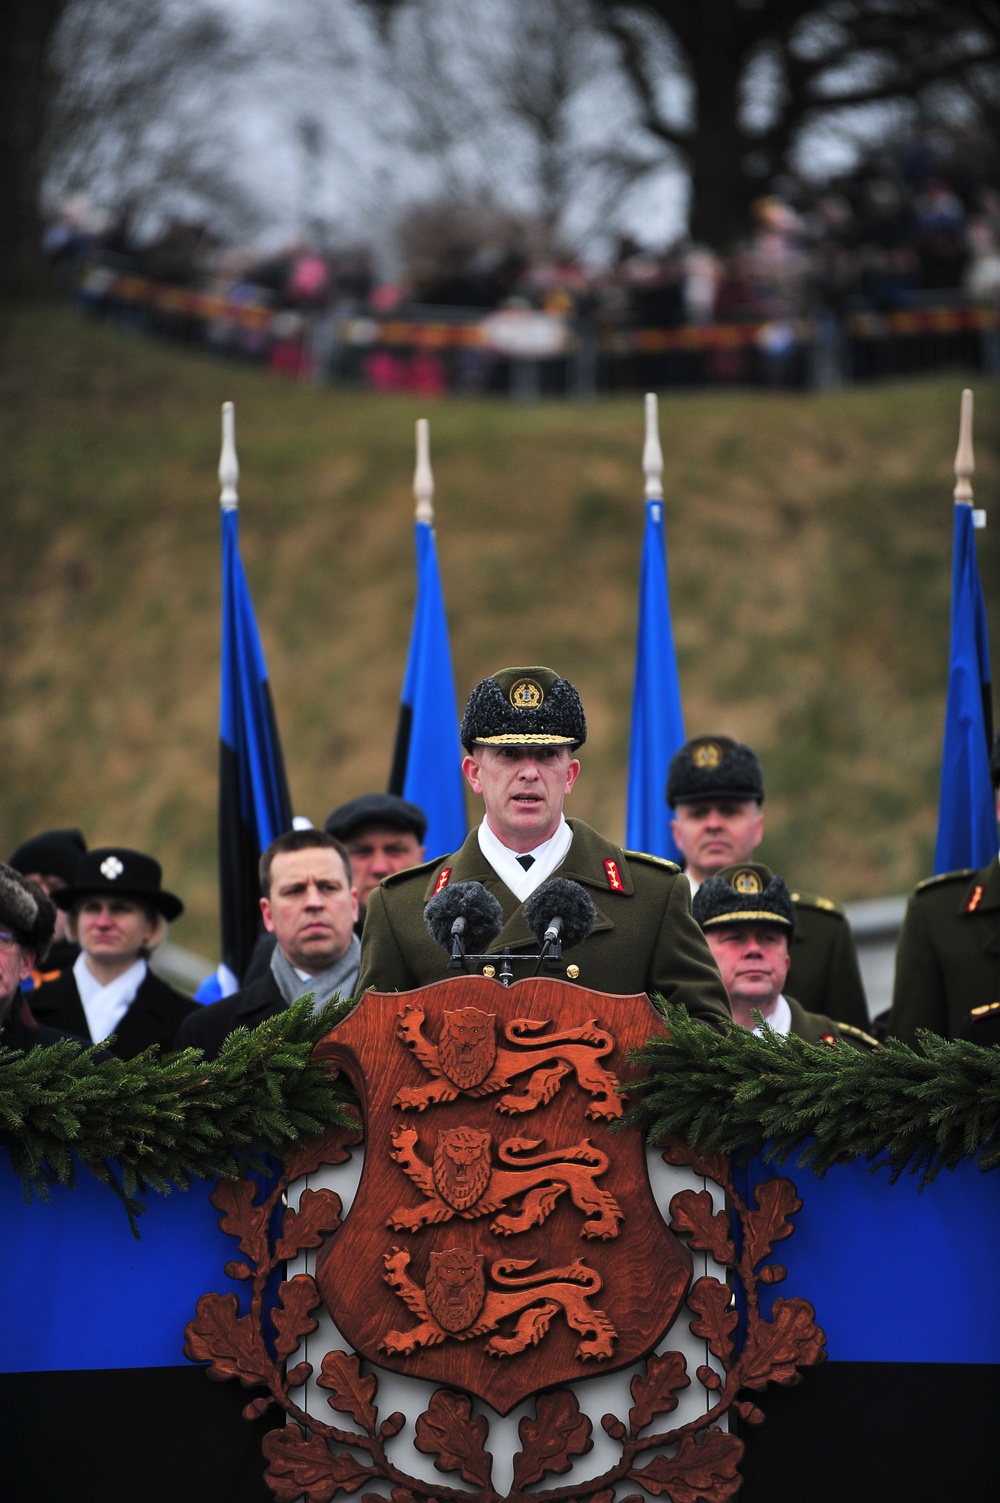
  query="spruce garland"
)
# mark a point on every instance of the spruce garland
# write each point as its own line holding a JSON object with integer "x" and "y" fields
{"x": 159, "y": 1121}
{"x": 164, "y": 1119}
{"x": 908, "y": 1110}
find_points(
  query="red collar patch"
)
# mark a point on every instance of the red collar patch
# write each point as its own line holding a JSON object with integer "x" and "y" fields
{"x": 444, "y": 877}
{"x": 614, "y": 877}
{"x": 975, "y": 900}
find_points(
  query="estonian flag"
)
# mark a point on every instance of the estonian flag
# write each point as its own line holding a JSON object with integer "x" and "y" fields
{"x": 657, "y": 715}
{"x": 967, "y": 822}
{"x": 254, "y": 806}
{"x": 427, "y": 760}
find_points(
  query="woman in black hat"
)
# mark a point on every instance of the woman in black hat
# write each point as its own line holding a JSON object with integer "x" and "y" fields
{"x": 118, "y": 913}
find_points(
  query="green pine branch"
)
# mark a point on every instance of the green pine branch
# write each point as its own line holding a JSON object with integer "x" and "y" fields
{"x": 917, "y": 1111}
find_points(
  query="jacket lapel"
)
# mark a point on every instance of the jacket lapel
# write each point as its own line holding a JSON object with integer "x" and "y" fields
{"x": 982, "y": 897}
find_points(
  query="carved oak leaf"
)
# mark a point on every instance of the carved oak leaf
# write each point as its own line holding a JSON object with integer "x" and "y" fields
{"x": 777, "y": 1200}
{"x": 776, "y": 1349}
{"x": 305, "y": 1468}
{"x": 713, "y": 1165}
{"x": 291, "y": 1316}
{"x": 318, "y": 1213}
{"x": 711, "y": 1300}
{"x": 350, "y": 1393}
{"x": 240, "y": 1217}
{"x": 691, "y": 1211}
{"x": 331, "y": 1148}
{"x": 230, "y": 1343}
{"x": 654, "y": 1392}
{"x": 557, "y": 1432}
{"x": 706, "y": 1473}
{"x": 447, "y": 1431}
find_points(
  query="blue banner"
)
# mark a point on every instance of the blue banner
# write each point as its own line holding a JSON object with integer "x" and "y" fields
{"x": 967, "y": 824}
{"x": 427, "y": 763}
{"x": 657, "y": 714}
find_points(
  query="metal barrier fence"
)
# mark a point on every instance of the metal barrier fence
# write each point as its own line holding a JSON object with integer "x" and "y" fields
{"x": 525, "y": 353}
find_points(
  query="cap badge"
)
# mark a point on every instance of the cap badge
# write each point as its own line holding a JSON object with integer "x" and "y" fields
{"x": 747, "y": 882}
{"x": 526, "y": 694}
{"x": 111, "y": 868}
{"x": 707, "y": 755}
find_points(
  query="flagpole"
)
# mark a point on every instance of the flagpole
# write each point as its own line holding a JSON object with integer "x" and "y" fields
{"x": 229, "y": 465}
{"x": 657, "y": 713}
{"x": 423, "y": 475}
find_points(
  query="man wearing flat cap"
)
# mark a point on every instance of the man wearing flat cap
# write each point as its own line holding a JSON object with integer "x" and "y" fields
{"x": 50, "y": 861}
{"x": 382, "y": 834}
{"x": 27, "y": 922}
{"x": 748, "y": 918}
{"x": 118, "y": 910}
{"x": 521, "y": 730}
{"x": 715, "y": 786}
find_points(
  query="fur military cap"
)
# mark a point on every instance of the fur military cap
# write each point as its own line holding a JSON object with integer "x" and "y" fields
{"x": 524, "y": 707}
{"x": 714, "y": 767}
{"x": 54, "y": 853}
{"x": 747, "y": 893}
{"x": 26, "y": 911}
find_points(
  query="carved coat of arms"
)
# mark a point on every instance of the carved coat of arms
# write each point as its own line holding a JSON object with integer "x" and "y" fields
{"x": 504, "y": 1243}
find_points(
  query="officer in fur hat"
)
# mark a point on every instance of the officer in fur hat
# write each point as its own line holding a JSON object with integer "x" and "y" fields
{"x": 118, "y": 911}
{"x": 748, "y": 918}
{"x": 715, "y": 787}
{"x": 27, "y": 922}
{"x": 521, "y": 731}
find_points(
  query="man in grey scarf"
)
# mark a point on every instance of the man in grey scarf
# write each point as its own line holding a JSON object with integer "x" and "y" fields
{"x": 309, "y": 904}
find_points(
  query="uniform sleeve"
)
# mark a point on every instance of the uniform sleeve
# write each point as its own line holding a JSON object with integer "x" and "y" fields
{"x": 682, "y": 968}
{"x": 918, "y": 995}
{"x": 845, "y": 999}
{"x": 382, "y": 964}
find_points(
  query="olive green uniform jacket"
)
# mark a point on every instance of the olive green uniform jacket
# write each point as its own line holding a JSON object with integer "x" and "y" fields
{"x": 825, "y": 975}
{"x": 645, "y": 939}
{"x": 948, "y": 956}
{"x": 816, "y": 1029}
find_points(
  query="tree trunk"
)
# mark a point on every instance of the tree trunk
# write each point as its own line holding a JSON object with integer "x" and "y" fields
{"x": 722, "y": 187}
{"x": 24, "y": 93}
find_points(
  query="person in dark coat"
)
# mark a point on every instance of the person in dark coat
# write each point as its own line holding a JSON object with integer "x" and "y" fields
{"x": 715, "y": 786}
{"x": 748, "y": 917}
{"x": 27, "y": 922}
{"x": 50, "y": 861}
{"x": 309, "y": 904}
{"x": 521, "y": 730}
{"x": 118, "y": 912}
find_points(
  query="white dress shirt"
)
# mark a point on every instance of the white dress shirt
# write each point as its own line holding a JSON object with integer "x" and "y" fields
{"x": 550, "y": 854}
{"x": 780, "y": 1019}
{"x": 105, "y": 1006}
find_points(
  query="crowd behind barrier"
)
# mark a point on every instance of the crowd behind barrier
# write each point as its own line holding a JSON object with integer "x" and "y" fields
{"x": 892, "y": 270}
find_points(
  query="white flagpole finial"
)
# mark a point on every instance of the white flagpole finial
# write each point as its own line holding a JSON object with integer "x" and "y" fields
{"x": 652, "y": 454}
{"x": 423, "y": 475}
{"x": 965, "y": 463}
{"x": 229, "y": 465}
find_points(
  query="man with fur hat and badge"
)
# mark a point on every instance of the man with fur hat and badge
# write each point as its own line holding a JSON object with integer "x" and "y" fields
{"x": 27, "y": 923}
{"x": 521, "y": 730}
{"x": 118, "y": 912}
{"x": 748, "y": 918}
{"x": 715, "y": 786}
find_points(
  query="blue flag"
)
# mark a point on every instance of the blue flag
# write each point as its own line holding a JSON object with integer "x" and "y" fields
{"x": 967, "y": 823}
{"x": 254, "y": 806}
{"x": 427, "y": 760}
{"x": 657, "y": 715}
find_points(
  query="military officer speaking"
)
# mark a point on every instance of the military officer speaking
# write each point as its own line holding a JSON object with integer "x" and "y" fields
{"x": 521, "y": 730}
{"x": 715, "y": 787}
{"x": 948, "y": 956}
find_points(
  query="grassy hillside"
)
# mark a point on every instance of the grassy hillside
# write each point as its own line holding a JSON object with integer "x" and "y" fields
{"x": 809, "y": 538}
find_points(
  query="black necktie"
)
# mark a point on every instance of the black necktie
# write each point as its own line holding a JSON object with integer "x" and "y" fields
{"x": 525, "y": 861}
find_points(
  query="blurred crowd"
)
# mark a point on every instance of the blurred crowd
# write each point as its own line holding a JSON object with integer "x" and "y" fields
{"x": 909, "y": 230}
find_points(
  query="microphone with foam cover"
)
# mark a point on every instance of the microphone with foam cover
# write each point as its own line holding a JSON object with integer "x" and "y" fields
{"x": 560, "y": 909}
{"x": 467, "y": 912}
